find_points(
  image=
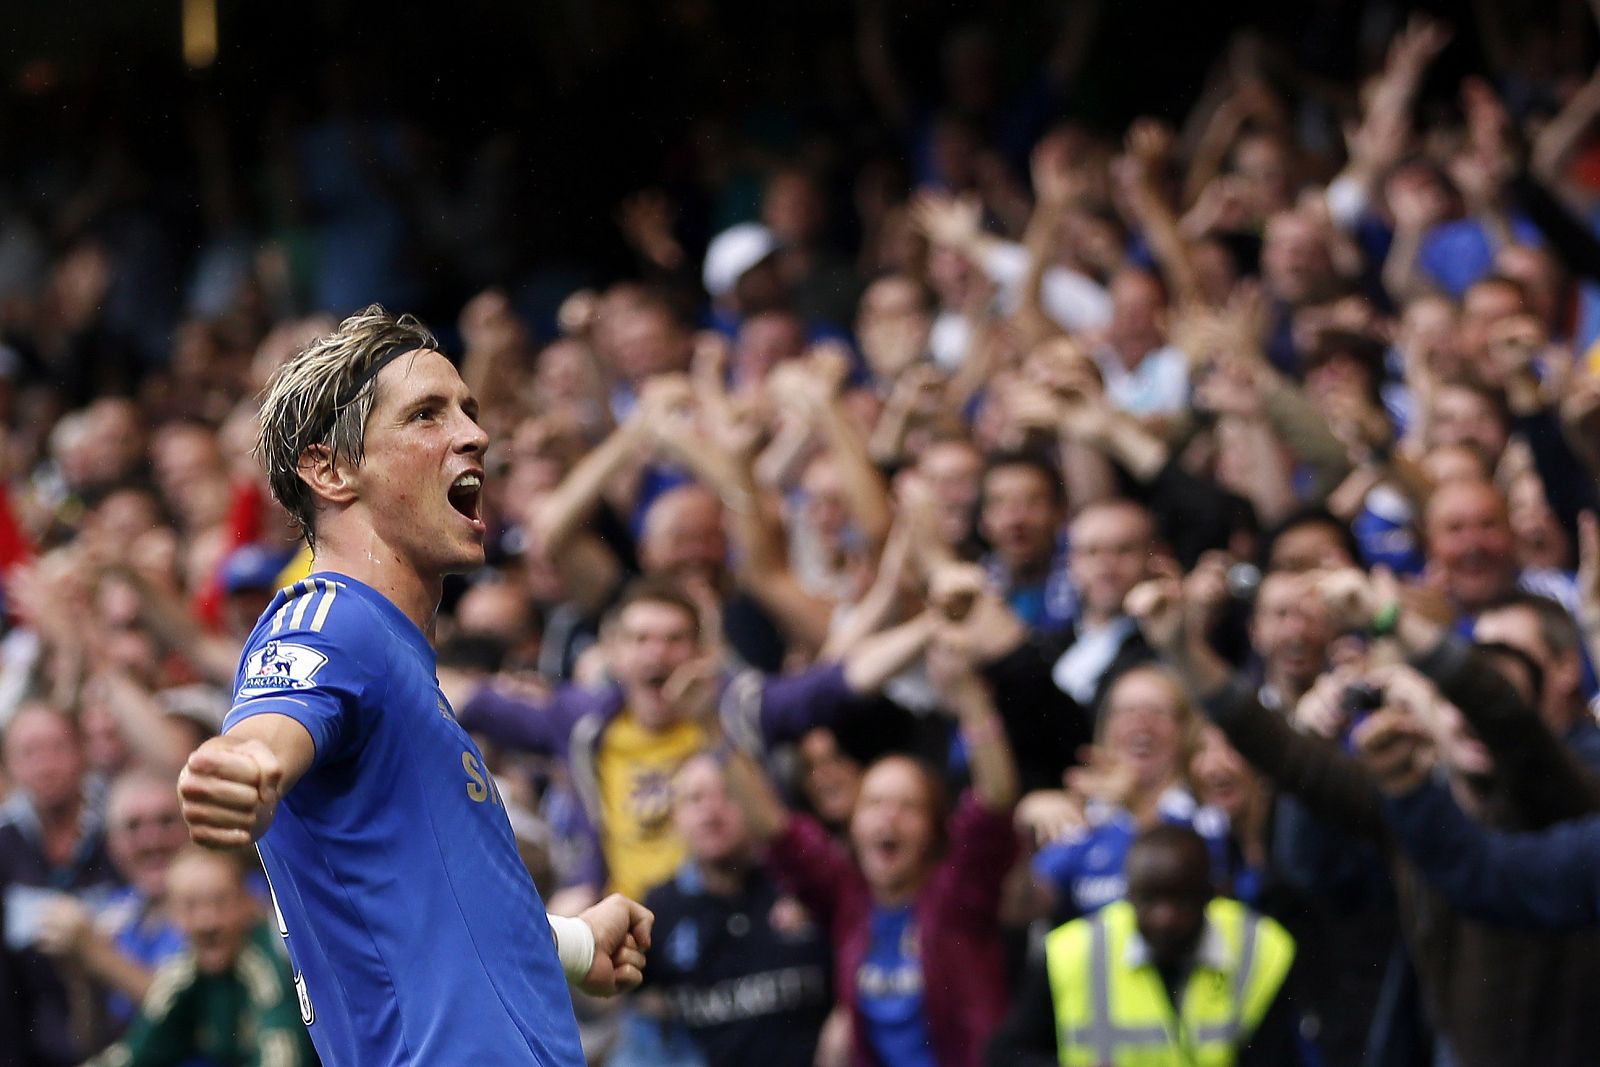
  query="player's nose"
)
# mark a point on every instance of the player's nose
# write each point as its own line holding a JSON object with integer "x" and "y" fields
{"x": 471, "y": 438}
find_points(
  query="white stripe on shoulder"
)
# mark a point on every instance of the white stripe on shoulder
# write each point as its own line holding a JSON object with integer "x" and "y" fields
{"x": 308, "y": 593}
{"x": 331, "y": 590}
{"x": 279, "y": 616}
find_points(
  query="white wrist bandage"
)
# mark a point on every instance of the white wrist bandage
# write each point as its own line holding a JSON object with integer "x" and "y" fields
{"x": 574, "y": 946}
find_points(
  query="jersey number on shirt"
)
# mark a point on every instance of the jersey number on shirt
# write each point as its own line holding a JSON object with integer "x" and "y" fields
{"x": 308, "y": 1014}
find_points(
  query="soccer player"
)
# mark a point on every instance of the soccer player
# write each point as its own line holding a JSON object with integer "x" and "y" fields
{"x": 416, "y": 934}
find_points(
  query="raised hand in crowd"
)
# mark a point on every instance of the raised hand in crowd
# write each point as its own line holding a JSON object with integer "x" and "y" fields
{"x": 1397, "y": 748}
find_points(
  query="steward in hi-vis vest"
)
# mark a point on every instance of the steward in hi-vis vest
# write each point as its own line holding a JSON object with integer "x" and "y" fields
{"x": 1112, "y": 1005}
{"x": 1171, "y": 976}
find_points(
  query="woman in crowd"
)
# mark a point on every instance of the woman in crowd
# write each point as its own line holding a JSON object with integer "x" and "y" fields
{"x": 912, "y": 902}
{"x": 1137, "y": 775}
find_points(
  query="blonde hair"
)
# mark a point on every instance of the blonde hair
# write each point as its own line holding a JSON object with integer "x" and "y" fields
{"x": 1191, "y": 726}
{"x": 322, "y": 396}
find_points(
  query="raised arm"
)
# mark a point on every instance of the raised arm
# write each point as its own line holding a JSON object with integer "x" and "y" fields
{"x": 495, "y": 342}
{"x": 1379, "y": 140}
{"x": 1417, "y": 209}
{"x": 1561, "y": 135}
{"x": 1589, "y": 583}
{"x": 517, "y": 715}
{"x": 865, "y": 494}
{"x": 661, "y": 399}
{"x": 1231, "y": 338}
{"x": 874, "y": 610}
{"x": 150, "y": 733}
{"x": 1548, "y": 880}
{"x": 1304, "y": 428}
{"x": 920, "y": 393}
{"x": 798, "y": 850}
{"x": 1149, "y": 154}
{"x": 1044, "y": 726}
{"x": 1055, "y": 180}
{"x": 764, "y": 811}
{"x": 1174, "y": 617}
{"x": 67, "y": 933}
{"x": 876, "y": 65}
{"x": 589, "y": 570}
{"x": 957, "y": 224}
{"x": 214, "y": 656}
{"x": 720, "y": 446}
{"x": 964, "y": 693}
{"x": 876, "y": 659}
{"x": 1259, "y": 470}
{"x": 1537, "y": 768}
{"x": 1195, "y": 513}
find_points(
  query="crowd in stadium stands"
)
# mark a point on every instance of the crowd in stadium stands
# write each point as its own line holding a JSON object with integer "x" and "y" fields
{"x": 924, "y": 588}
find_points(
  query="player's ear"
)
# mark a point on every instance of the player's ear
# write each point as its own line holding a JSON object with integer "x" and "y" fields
{"x": 331, "y": 480}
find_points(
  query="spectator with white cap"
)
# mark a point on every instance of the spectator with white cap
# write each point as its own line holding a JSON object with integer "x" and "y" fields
{"x": 731, "y": 276}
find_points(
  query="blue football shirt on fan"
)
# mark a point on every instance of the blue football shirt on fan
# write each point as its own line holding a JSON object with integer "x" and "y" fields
{"x": 1085, "y": 868}
{"x": 889, "y": 991}
{"x": 415, "y": 931}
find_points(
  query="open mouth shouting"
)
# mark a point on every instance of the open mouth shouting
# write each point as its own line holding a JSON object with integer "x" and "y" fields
{"x": 466, "y": 496}
{"x": 1140, "y": 747}
{"x": 886, "y": 849}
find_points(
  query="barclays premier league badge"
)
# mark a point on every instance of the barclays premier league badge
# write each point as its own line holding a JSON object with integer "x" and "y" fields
{"x": 281, "y": 665}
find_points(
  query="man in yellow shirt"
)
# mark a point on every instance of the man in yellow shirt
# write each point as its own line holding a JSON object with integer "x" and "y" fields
{"x": 634, "y": 768}
{"x": 623, "y": 742}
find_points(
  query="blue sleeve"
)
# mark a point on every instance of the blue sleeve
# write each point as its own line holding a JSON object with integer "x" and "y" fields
{"x": 509, "y": 719}
{"x": 1548, "y": 880}
{"x": 792, "y": 704}
{"x": 1568, "y": 487}
{"x": 1220, "y": 847}
{"x": 1325, "y": 861}
{"x": 1057, "y": 865}
{"x": 764, "y": 710}
{"x": 320, "y": 667}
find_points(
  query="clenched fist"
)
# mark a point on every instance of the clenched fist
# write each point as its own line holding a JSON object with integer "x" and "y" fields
{"x": 621, "y": 935}
{"x": 229, "y": 789}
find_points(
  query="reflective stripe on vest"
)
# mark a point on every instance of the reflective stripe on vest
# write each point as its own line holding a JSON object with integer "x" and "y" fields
{"x": 1108, "y": 1013}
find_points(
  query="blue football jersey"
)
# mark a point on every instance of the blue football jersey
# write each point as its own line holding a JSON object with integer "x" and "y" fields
{"x": 415, "y": 931}
{"x": 1086, "y": 867}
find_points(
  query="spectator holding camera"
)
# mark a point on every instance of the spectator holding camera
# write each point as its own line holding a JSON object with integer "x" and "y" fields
{"x": 1517, "y": 774}
{"x": 1543, "y": 880}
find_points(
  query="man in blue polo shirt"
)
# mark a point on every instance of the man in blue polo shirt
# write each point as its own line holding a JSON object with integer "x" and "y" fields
{"x": 416, "y": 934}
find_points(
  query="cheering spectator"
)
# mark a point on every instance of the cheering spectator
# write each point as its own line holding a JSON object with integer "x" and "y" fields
{"x": 51, "y": 842}
{"x": 229, "y": 997}
{"x": 913, "y": 915}
{"x": 743, "y": 967}
{"x": 135, "y": 932}
{"x": 626, "y": 739}
{"x": 1135, "y": 778}
{"x": 852, "y": 372}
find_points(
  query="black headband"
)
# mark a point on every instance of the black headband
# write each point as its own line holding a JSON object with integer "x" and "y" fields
{"x": 386, "y": 355}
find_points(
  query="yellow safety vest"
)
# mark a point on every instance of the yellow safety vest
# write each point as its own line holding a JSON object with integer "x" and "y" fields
{"x": 1110, "y": 1014}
